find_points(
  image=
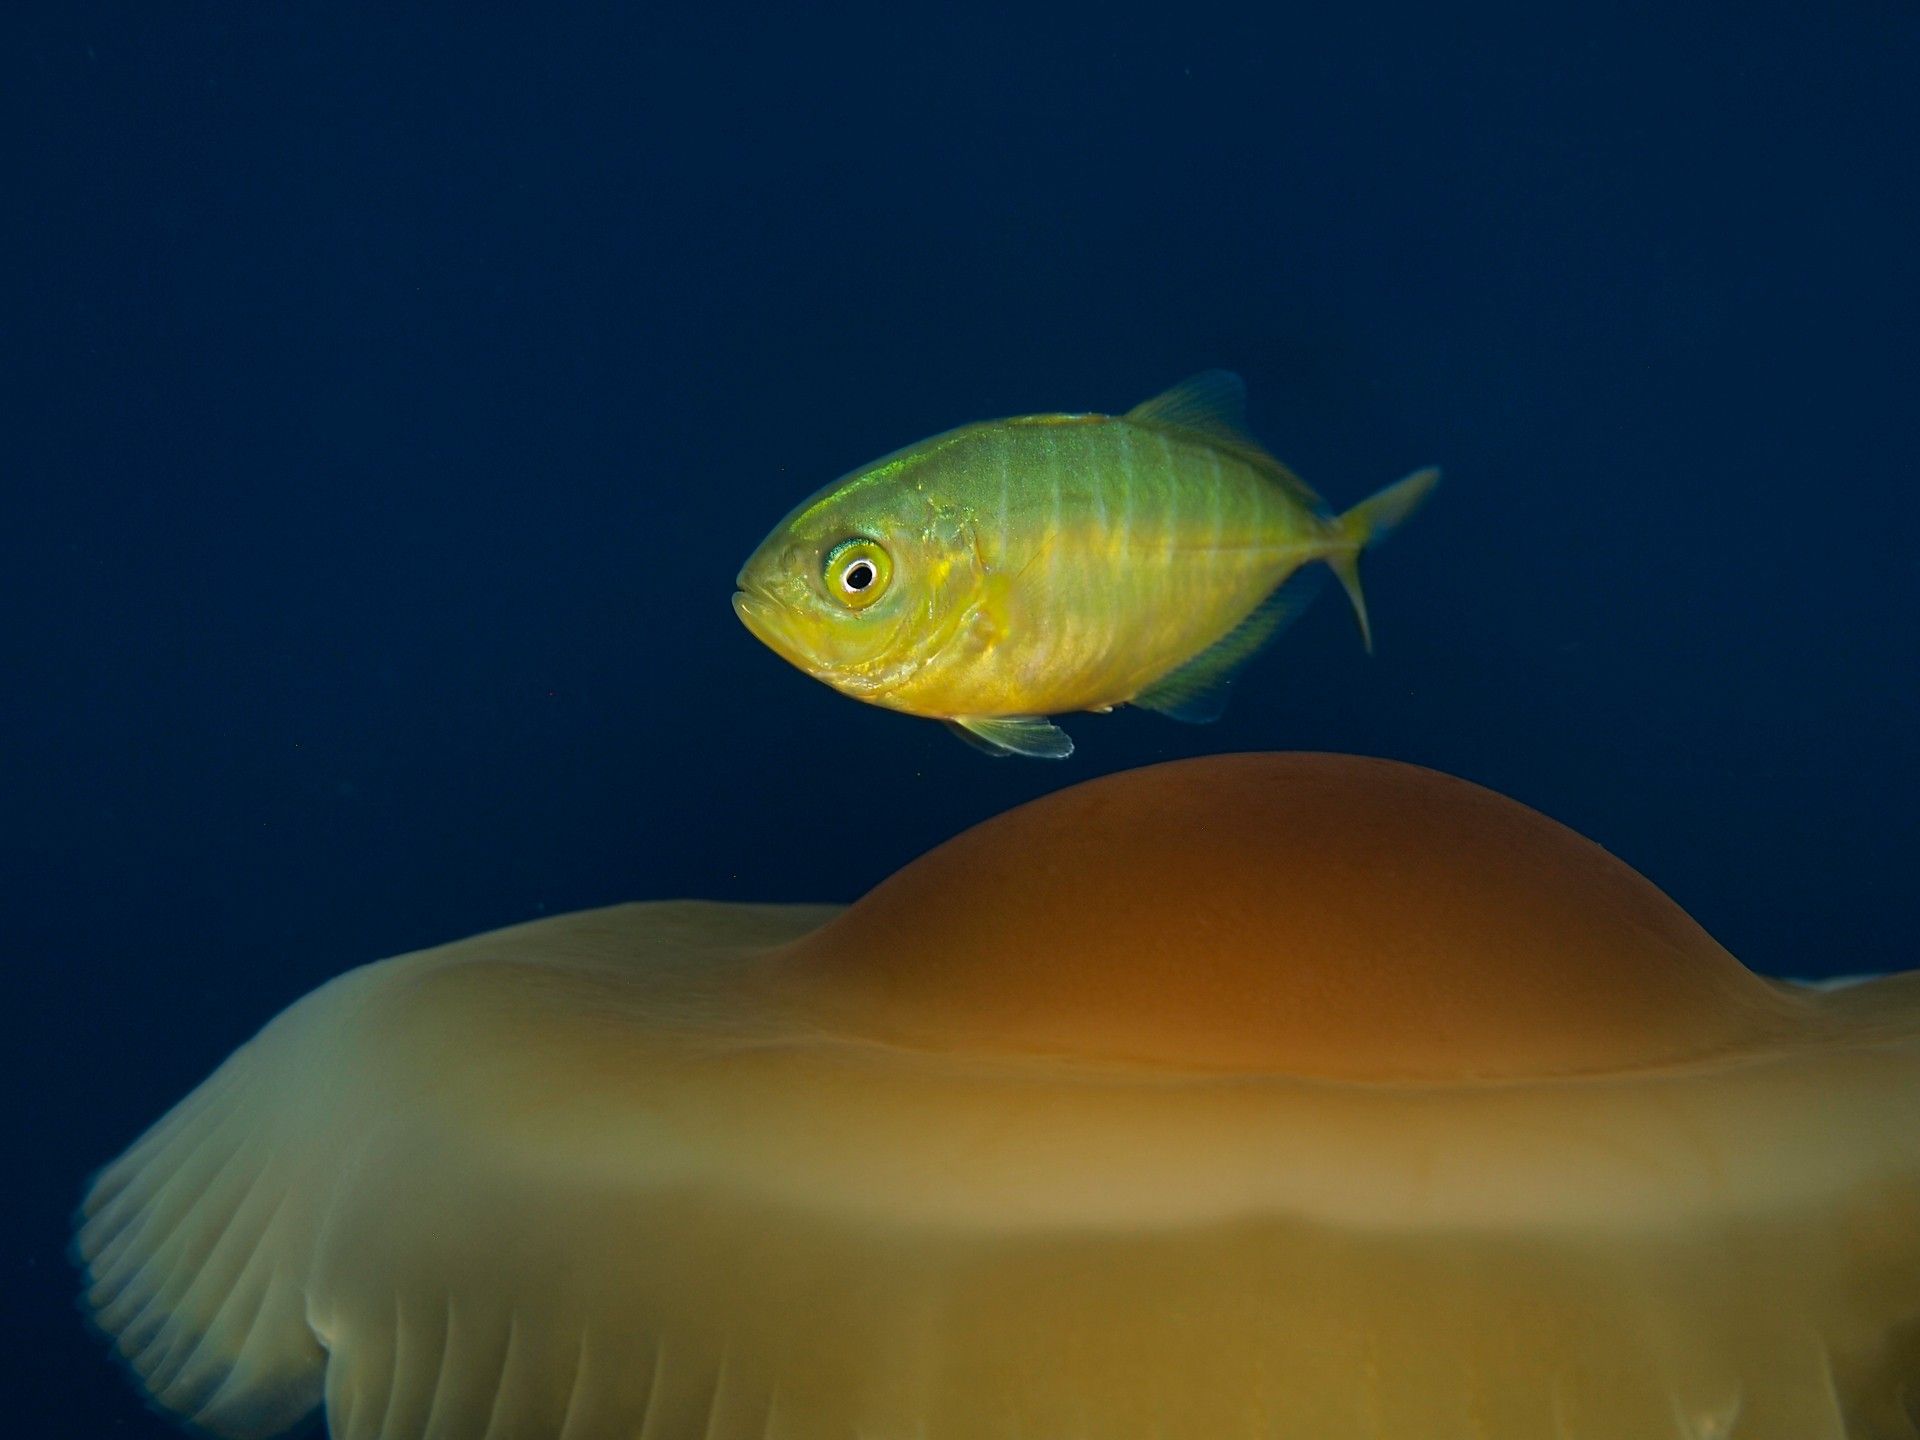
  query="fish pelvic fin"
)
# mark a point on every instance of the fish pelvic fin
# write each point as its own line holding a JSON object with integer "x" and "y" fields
{"x": 1031, "y": 735}
{"x": 1367, "y": 524}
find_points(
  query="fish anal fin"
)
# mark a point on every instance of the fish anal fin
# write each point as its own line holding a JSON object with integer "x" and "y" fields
{"x": 1197, "y": 691}
{"x": 1029, "y": 735}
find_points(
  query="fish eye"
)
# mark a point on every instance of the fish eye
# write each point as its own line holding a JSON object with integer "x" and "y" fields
{"x": 857, "y": 571}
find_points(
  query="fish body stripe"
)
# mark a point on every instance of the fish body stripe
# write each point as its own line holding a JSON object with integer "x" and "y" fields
{"x": 1125, "y": 549}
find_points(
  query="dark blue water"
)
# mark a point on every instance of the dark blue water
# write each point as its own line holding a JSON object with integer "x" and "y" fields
{"x": 390, "y": 400}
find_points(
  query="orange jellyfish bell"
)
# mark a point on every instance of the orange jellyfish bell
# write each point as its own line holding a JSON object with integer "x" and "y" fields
{"x": 1306, "y": 915}
{"x": 1265, "y": 1095}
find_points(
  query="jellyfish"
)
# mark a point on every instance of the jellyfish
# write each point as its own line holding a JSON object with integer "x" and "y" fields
{"x": 1253, "y": 1096}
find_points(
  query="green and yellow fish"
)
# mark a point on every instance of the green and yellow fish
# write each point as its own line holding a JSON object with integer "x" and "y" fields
{"x": 1011, "y": 570}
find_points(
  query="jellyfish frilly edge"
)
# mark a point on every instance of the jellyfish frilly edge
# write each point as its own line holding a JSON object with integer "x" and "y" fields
{"x": 1260, "y": 1095}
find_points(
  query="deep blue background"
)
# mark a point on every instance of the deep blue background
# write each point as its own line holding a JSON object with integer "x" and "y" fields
{"x": 390, "y": 400}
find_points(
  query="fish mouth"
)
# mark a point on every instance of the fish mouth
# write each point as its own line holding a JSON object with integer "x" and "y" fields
{"x": 767, "y": 621}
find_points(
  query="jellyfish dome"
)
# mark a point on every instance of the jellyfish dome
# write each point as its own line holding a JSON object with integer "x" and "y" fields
{"x": 1254, "y": 1096}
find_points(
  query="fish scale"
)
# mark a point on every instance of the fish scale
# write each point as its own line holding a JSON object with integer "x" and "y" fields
{"x": 1017, "y": 569}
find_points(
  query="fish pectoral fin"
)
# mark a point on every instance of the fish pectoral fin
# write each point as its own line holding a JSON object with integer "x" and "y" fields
{"x": 1197, "y": 691}
{"x": 1028, "y": 735}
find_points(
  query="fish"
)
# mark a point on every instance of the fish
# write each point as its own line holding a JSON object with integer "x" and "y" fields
{"x": 1005, "y": 572}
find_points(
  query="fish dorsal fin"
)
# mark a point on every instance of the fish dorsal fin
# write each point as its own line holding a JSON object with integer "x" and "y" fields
{"x": 1197, "y": 691}
{"x": 1214, "y": 404}
{"x": 1029, "y": 735}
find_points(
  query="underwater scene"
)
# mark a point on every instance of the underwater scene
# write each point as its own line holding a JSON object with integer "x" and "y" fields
{"x": 1060, "y": 723}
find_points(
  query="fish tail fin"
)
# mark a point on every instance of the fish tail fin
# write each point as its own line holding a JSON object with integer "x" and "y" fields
{"x": 1368, "y": 523}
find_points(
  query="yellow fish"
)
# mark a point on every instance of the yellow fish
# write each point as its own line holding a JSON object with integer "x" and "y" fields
{"x": 1011, "y": 570}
